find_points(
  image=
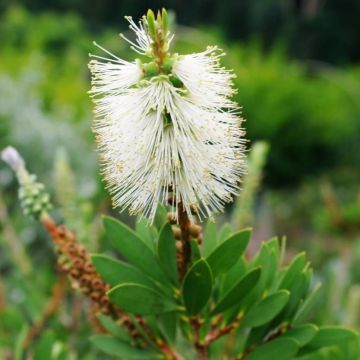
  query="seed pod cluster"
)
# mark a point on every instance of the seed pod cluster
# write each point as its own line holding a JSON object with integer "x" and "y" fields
{"x": 75, "y": 261}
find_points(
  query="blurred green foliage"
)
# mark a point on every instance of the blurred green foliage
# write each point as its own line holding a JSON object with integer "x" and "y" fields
{"x": 309, "y": 113}
{"x": 325, "y": 30}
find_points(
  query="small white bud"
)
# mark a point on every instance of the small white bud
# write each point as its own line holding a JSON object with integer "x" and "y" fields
{"x": 11, "y": 156}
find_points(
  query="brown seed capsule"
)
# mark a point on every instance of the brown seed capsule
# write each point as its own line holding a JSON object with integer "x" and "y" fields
{"x": 195, "y": 230}
{"x": 85, "y": 290}
{"x": 75, "y": 273}
{"x": 179, "y": 246}
{"x": 171, "y": 218}
{"x": 177, "y": 232}
{"x": 104, "y": 301}
{"x": 85, "y": 279}
{"x": 97, "y": 284}
{"x": 89, "y": 268}
{"x": 78, "y": 263}
{"x": 71, "y": 249}
{"x": 82, "y": 251}
{"x": 95, "y": 295}
{"x": 61, "y": 231}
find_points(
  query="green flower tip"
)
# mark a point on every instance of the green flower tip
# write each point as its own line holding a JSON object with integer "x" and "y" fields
{"x": 34, "y": 199}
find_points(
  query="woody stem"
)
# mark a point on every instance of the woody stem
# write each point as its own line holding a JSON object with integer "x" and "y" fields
{"x": 184, "y": 223}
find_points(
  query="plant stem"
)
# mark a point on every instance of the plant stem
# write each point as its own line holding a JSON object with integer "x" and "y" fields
{"x": 58, "y": 293}
{"x": 216, "y": 334}
{"x": 13, "y": 242}
{"x": 184, "y": 223}
{"x": 200, "y": 346}
{"x": 79, "y": 268}
{"x": 163, "y": 346}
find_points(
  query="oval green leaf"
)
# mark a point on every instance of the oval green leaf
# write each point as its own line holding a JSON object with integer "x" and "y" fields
{"x": 197, "y": 287}
{"x": 112, "y": 327}
{"x": 239, "y": 290}
{"x": 265, "y": 310}
{"x": 279, "y": 349}
{"x": 307, "y": 306}
{"x": 332, "y": 335}
{"x": 140, "y": 300}
{"x": 225, "y": 232}
{"x": 209, "y": 238}
{"x": 227, "y": 254}
{"x": 167, "y": 253}
{"x": 148, "y": 233}
{"x": 195, "y": 251}
{"x": 116, "y": 272}
{"x": 111, "y": 346}
{"x": 302, "y": 334}
{"x": 294, "y": 269}
{"x": 133, "y": 249}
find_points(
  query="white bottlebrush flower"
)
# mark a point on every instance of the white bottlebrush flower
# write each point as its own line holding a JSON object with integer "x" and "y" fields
{"x": 167, "y": 128}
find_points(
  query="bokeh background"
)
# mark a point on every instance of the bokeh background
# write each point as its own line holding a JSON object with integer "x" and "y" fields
{"x": 298, "y": 78}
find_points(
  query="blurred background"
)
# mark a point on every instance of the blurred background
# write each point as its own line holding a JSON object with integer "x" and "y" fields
{"x": 298, "y": 78}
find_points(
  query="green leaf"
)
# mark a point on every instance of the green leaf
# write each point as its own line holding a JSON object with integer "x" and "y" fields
{"x": 294, "y": 269}
{"x": 195, "y": 251}
{"x": 279, "y": 349}
{"x": 146, "y": 232}
{"x": 112, "y": 327}
{"x": 133, "y": 249}
{"x": 197, "y": 287}
{"x": 167, "y": 253}
{"x": 332, "y": 335}
{"x": 265, "y": 310}
{"x": 160, "y": 216}
{"x": 115, "y": 272}
{"x": 224, "y": 233}
{"x": 298, "y": 291}
{"x": 168, "y": 324}
{"x": 227, "y": 254}
{"x": 44, "y": 346}
{"x": 234, "y": 275}
{"x": 140, "y": 300}
{"x": 209, "y": 238}
{"x": 307, "y": 306}
{"x": 111, "y": 346}
{"x": 266, "y": 258}
{"x": 241, "y": 289}
{"x": 19, "y": 349}
{"x": 302, "y": 334}
{"x": 273, "y": 244}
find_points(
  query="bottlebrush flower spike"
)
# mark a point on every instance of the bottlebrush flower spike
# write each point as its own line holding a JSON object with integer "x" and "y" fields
{"x": 167, "y": 127}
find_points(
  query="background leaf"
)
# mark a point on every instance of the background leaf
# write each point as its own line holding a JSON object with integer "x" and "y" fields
{"x": 266, "y": 309}
{"x": 239, "y": 290}
{"x": 111, "y": 346}
{"x": 139, "y": 299}
{"x": 133, "y": 249}
{"x": 116, "y": 272}
{"x": 167, "y": 253}
{"x": 302, "y": 334}
{"x": 197, "y": 287}
{"x": 280, "y": 349}
{"x": 227, "y": 254}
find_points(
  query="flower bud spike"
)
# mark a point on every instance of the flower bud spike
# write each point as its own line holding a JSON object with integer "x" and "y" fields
{"x": 165, "y": 21}
{"x": 167, "y": 127}
{"x": 150, "y": 17}
{"x": 35, "y": 201}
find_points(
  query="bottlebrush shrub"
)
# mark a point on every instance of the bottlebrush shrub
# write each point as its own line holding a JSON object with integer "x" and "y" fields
{"x": 169, "y": 133}
{"x": 227, "y": 306}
